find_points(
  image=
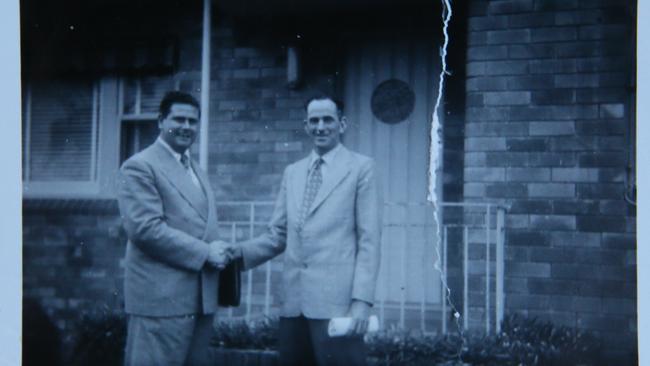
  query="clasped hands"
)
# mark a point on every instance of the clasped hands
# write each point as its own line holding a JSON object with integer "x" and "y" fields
{"x": 221, "y": 253}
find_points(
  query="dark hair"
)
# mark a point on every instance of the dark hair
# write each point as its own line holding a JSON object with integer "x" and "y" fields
{"x": 176, "y": 97}
{"x": 325, "y": 96}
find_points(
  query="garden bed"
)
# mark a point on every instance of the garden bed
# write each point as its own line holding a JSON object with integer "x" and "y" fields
{"x": 522, "y": 341}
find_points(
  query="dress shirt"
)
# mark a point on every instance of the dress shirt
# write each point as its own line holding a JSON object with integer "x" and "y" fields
{"x": 177, "y": 157}
{"x": 327, "y": 165}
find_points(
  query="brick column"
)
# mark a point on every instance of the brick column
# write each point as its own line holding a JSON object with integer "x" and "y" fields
{"x": 548, "y": 109}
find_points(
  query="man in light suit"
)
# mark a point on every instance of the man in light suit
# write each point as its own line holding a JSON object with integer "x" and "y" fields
{"x": 326, "y": 222}
{"x": 172, "y": 258}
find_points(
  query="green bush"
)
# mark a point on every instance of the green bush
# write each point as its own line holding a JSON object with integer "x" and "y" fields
{"x": 522, "y": 341}
{"x": 101, "y": 335}
{"x": 261, "y": 334}
{"x": 99, "y": 338}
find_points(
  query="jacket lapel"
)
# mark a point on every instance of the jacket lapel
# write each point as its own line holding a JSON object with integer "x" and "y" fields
{"x": 299, "y": 182}
{"x": 339, "y": 170}
{"x": 179, "y": 178}
{"x": 212, "y": 210}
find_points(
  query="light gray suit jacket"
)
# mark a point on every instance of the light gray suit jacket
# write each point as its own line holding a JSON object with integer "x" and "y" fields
{"x": 169, "y": 222}
{"x": 334, "y": 258}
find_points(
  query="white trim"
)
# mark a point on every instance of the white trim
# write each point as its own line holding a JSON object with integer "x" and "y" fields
{"x": 28, "y": 131}
{"x": 205, "y": 86}
{"x": 138, "y": 96}
{"x": 249, "y": 278}
{"x": 465, "y": 277}
{"x": 120, "y": 97}
{"x": 144, "y": 117}
{"x": 500, "y": 264}
{"x": 443, "y": 289}
{"x": 233, "y": 240}
{"x": 94, "y": 135}
{"x": 488, "y": 223}
{"x": 61, "y": 189}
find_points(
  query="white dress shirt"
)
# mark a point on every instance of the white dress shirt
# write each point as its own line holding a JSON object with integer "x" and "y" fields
{"x": 328, "y": 161}
{"x": 177, "y": 157}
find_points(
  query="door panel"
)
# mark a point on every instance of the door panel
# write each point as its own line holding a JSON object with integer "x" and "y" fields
{"x": 407, "y": 273}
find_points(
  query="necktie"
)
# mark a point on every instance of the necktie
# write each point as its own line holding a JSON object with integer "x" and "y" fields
{"x": 313, "y": 184}
{"x": 185, "y": 161}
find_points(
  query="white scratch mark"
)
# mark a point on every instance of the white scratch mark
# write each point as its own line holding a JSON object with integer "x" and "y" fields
{"x": 434, "y": 164}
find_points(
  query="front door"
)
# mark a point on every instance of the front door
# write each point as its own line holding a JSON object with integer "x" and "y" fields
{"x": 390, "y": 89}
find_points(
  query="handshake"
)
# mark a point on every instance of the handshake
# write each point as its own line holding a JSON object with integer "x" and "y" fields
{"x": 221, "y": 253}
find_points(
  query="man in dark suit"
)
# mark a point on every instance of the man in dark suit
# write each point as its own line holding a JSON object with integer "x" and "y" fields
{"x": 172, "y": 257}
{"x": 326, "y": 222}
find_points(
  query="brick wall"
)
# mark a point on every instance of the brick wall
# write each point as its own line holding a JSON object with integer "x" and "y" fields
{"x": 547, "y": 114}
{"x": 72, "y": 264}
{"x": 256, "y": 124}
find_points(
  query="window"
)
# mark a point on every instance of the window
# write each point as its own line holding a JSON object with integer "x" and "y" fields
{"x": 60, "y": 138}
{"x": 76, "y": 133}
{"x": 139, "y": 100}
{"x": 66, "y": 133}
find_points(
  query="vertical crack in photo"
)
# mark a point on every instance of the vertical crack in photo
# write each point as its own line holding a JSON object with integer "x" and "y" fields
{"x": 434, "y": 165}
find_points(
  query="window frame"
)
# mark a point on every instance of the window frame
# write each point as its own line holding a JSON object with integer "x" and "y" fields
{"x": 108, "y": 121}
{"x": 104, "y": 156}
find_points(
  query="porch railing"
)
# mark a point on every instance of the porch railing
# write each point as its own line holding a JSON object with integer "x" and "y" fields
{"x": 473, "y": 232}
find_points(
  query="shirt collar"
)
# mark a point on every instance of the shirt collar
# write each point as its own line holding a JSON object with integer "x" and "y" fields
{"x": 176, "y": 155}
{"x": 328, "y": 157}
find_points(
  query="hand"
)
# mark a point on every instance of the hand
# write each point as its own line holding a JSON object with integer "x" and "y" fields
{"x": 219, "y": 255}
{"x": 233, "y": 250}
{"x": 359, "y": 312}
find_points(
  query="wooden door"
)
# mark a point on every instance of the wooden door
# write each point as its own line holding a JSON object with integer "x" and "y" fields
{"x": 408, "y": 280}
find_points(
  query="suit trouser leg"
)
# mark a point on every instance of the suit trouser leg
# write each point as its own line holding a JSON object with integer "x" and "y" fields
{"x": 305, "y": 342}
{"x": 199, "y": 354}
{"x": 154, "y": 341}
{"x": 294, "y": 342}
{"x": 339, "y": 351}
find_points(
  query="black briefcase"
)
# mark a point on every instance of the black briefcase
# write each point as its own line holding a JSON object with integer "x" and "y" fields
{"x": 230, "y": 284}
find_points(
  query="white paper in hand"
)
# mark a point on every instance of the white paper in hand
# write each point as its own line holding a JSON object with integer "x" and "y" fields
{"x": 339, "y": 326}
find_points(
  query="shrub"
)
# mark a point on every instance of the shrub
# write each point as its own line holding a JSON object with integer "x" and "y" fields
{"x": 522, "y": 341}
{"x": 101, "y": 335}
{"x": 99, "y": 338}
{"x": 261, "y": 334}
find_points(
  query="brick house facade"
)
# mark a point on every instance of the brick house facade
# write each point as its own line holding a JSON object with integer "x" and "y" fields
{"x": 539, "y": 118}
{"x": 549, "y": 128}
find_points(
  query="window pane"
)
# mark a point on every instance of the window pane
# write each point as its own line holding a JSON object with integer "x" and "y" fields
{"x": 153, "y": 90}
{"x": 142, "y": 95}
{"x": 130, "y": 90}
{"x": 136, "y": 135}
{"x": 61, "y": 140}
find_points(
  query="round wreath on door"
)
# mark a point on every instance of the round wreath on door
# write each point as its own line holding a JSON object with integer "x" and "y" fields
{"x": 392, "y": 101}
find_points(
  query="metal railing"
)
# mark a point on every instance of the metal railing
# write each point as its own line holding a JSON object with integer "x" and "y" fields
{"x": 414, "y": 264}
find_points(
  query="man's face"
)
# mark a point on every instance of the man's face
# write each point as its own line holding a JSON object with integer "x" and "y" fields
{"x": 180, "y": 126}
{"x": 323, "y": 125}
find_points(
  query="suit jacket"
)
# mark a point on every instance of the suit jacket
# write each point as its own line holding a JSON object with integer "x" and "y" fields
{"x": 169, "y": 222}
{"x": 334, "y": 257}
